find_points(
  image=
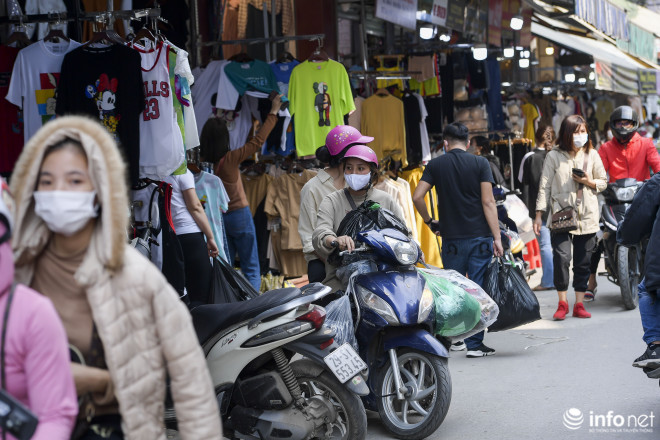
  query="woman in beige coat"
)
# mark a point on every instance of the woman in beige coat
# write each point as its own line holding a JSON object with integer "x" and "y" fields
{"x": 117, "y": 309}
{"x": 560, "y": 188}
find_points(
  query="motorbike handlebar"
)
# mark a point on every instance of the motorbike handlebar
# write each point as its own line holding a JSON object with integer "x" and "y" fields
{"x": 360, "y": 249}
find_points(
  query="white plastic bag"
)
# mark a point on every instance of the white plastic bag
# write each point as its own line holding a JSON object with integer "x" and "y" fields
{"x": 338, "y": 318}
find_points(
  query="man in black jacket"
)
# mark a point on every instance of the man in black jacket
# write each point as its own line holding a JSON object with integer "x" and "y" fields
{"x": 641, "y": 219}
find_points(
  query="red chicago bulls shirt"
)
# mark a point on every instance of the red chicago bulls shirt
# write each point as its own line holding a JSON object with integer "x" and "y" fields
{"x": 106, "y": 84}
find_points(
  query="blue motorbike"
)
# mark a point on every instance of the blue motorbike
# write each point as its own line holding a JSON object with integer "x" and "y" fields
{"x": 394, "y": 317}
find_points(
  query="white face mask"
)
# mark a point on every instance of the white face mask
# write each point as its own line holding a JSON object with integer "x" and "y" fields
{"x": 610, "y": 136}
{"x": 357, "y": 181}
{"x": 65, "y": 212}
{"x": 580, "y": 139}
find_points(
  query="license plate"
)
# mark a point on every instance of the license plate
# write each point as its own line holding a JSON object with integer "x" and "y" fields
{"x": 344, "y": 362}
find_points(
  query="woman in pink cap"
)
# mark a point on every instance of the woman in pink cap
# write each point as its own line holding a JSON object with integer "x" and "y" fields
{"x": 328, "y": 180}
{"x": 360, "y": 168}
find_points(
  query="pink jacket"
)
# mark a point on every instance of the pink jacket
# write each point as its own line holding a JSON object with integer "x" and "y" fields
{"x": 37, "y": 356}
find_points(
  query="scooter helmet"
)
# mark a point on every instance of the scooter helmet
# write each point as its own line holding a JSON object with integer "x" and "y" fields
{"x": 342, "y": 136}
{"x": 624, "y": 113}
{"x": 362, "y": 152}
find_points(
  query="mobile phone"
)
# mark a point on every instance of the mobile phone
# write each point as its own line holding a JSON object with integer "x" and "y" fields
{"x": 578, "y": 172}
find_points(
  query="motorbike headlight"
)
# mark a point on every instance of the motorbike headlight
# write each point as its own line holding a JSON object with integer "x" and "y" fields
{"x": 378, "y": 305}
{"x": 625, "y": 194}
{"x": 405, "y": 251}
{"x": 425, "y": 305}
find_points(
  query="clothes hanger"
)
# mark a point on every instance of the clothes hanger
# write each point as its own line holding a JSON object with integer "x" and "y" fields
{"x": 241, "y": 58}
{"x": 319, "y": 53}
{"x": 55, "y": 35}
{"x": 19, "y": 36}
{"x": 286, "y": 57}
{"x": 145, "y": 34}
{"x": 105, "y": 36}
{"x": 382, "y": 92}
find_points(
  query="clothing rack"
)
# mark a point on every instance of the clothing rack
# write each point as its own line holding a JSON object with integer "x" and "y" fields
{"x": 509, "y": 142}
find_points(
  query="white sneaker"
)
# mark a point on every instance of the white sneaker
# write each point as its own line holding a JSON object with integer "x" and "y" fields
{"x": 480, "y": 351}
{"x": 458, "y": 346}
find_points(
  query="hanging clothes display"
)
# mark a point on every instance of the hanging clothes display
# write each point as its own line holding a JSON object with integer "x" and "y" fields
{"x": 399, "y": 190}
{"x": 430, "y": 243}
{"x": 204, "y": 90}
{"x": 282, "y": 72}
{"x": 412, "y": 119}
{"x": 255, "y": 74}
{"x": 382, "y": 119}
{"x": 531, "y": 114}
{"x": 255, "y": 190}
{"x": 11, "y": 121}
{"x": 423, "y": 132}
{"x": 34, "y": 80}
{"x": 213, "y": 196}
{"x": 146, "y": 213}
{"x": 355, "y": 118}
{"x": 320, "y": 95}
{"x": 106, "y": 83}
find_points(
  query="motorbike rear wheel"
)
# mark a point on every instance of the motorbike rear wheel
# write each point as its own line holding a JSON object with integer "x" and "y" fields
{"x": 628, "y": 276}
{"x": 351, "y": 422}
{"x": 427, "y": 401}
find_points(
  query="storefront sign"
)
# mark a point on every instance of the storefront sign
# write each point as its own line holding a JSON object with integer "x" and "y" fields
{"x": 616, "y": 78}
{"x": 401, "y": 12}
{"x": 436, "y": 12}
{"x": 648, "y": 82}
{"x": 456, "y": 14}
{"x": 495, "y": 22}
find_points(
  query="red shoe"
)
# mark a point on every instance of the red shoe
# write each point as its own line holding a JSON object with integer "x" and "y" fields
{"x": 580, "y": 312}
{"x": 561, "y": 312}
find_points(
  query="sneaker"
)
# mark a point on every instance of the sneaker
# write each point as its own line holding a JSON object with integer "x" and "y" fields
{"x": 562, "y": 310}
{"x": 458, "y": 346}
{"x": 580, "y": 312}
{"x": 590, "y": 294}
{"x": 650, "y": 358}
{"x": 480, "y": 351}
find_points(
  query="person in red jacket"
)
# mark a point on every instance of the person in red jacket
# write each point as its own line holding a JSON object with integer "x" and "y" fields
{"x": 626, "y": 155}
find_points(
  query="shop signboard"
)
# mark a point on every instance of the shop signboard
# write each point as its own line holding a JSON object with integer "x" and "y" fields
{"x": 495, "y": 22}
{"x": 456, "y": 14}
{"x": 640, "y": 44}
{"x": 648, "y": 82}
{"x": 476, "y": 20}
{"x": 434, "y": 12}
{"x": 401, "y": 12}
{"x": 616, "y": 78}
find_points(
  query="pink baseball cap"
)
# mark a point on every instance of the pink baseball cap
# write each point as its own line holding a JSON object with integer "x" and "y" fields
{"x": 362, "y": 152}
{"x": 342, "y": 136}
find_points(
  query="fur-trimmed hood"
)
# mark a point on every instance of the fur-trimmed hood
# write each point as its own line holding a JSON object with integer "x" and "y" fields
{"x": 108, "y": 175}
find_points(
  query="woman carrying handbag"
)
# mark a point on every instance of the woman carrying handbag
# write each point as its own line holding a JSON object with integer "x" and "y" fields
{"x": 573, "y": 175}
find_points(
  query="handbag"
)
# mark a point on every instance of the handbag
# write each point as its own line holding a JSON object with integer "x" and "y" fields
{"x": 566, "y": 219}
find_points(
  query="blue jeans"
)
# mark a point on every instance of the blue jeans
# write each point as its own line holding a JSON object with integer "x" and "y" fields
{"x": 469, "y": 257}
{"x": 649, "y": 309}
{"x": 545, "y": 245}
{"x": 241, "y": 238}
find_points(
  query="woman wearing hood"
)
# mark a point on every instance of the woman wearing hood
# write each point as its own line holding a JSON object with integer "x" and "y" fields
{"x": 36, "y": 357}
{"x": 116, "y": 307}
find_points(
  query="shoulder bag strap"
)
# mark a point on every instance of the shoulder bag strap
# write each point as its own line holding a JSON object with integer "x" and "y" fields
{"x": 580, "y": 192}
{"x": 350, "y": 199}
{"x": 4, "y": 336}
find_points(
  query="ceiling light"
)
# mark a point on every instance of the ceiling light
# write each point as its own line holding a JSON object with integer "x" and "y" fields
{"x": 549, "y": 50}
{"x": 445, "y": 37}
{"x": 523, "y": 63}
{"x": 520, "y": 48}
{"x": 480, "y": 52}
{"x": 426, "y": 32}
{"x": 592, "y": 76}
{"x": 509, "y": 52}
{"x": 582, "y": 80}
{"x": 569, "y": 77}
{"x": 516, "y": 23}
{"x": 506, "y": 84}
{"x": 526, "y": 54}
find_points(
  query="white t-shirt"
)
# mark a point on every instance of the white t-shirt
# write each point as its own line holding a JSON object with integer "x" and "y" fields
{"x": 34, "y": 80}
{"x": 184, "y": 223}
{"x": 206, "y": 84}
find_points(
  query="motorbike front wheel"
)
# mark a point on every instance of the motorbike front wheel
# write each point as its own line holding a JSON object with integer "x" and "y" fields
{"x": 351, "y": 422}
{"x": 628, "y": 276}
{"x": 426, "y": 401}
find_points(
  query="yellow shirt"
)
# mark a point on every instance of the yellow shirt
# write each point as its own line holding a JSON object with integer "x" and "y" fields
{"x": 531, "y": 114}
{"x": 382, "y": 119}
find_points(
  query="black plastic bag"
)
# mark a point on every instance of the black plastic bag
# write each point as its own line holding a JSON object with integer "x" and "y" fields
{"x": 366, "y": 217}
{"x": 508, "y": 288}
{"x": 229, "y": 285}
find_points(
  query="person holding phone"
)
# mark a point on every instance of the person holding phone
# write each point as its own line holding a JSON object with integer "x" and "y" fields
{"x": 572, "y": 176}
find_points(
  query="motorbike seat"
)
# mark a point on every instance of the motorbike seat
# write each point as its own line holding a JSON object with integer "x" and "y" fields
{"x": 209, "y": 319}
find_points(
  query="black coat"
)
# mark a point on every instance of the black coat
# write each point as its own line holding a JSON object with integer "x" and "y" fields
{"x": 642, "y": 219}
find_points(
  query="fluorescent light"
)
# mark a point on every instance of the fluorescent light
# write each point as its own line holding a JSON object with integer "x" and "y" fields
{"x": 582, "y": 80}
{"x": 516, "y": 23}
{"x": 480, "y": 52}
{"x": 569, "y": 77}
{"x": 427, "y": 32}
{"x": 445, "y": 37}
{"x": 592, "y": 76}
{"x": 509, "y": 52}
{"x": 549, "y": 50}
{"x": 526, "y": 54}
{"x": 506, "y": 84}
{"x": 520, "y": 48}
{"x": 523, "y": 63}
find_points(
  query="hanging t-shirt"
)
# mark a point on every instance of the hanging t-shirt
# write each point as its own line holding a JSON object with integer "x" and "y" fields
{"x": 424, "y": 134}
{"x": 239, "y": 121}
{"x": 382, "y": 119}
{"x": 206, "y": 85}
{"x": 255, "y": 75}
{"x": 184, "y": 223}
{"x": 214, "y": 198}
{"x": 531, "y": 114}
{"x": 320, "y": 95}
{"x": 11, "y": 123}
{"x": 34, "y": 80}
{"x": 106, "y": 83}
{"x": 413, "y": 117}
{"x": 282, "y": 73}
{"x": 161, "y": 142}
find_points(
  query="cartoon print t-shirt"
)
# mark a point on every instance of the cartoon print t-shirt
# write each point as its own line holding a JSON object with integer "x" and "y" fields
{"x": 34, "y": 81}
{"x": 320, "y": 95}
{"x": 106, "y": 84}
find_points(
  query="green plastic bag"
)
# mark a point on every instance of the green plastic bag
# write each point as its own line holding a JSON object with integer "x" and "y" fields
{"x": 456, "y": 311}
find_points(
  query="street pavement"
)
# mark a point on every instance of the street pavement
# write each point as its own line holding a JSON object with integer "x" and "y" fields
{"x": 545, "y": 369}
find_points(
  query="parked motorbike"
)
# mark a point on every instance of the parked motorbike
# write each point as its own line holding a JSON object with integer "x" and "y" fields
{"x": 624, "y": 264}
{"x": 409, "y": 378}
{"x": 262, "y": 394}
